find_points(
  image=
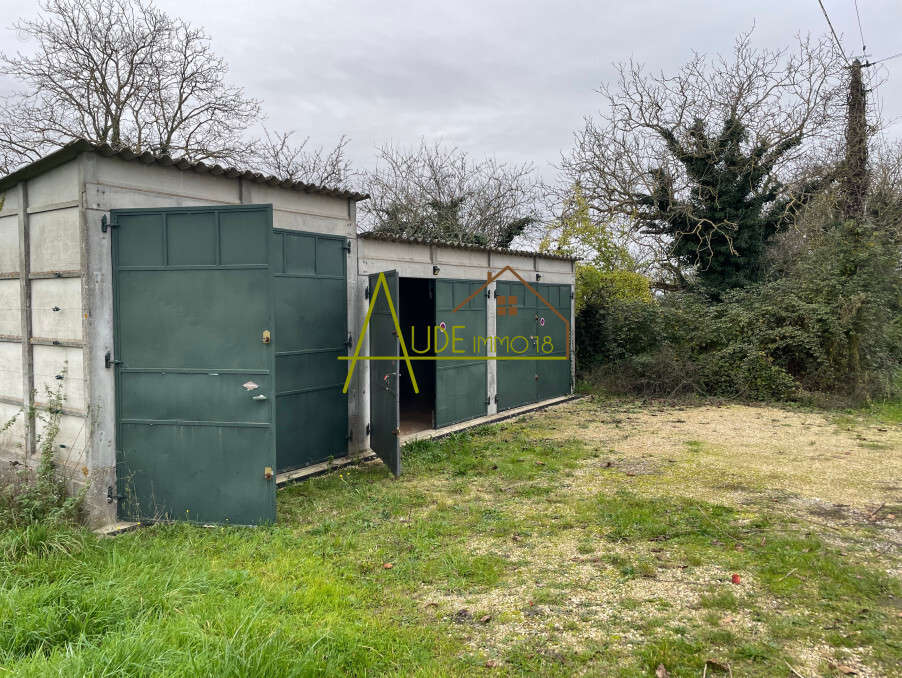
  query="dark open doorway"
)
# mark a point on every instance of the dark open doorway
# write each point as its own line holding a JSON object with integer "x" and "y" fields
{"x": 417, "y": 318}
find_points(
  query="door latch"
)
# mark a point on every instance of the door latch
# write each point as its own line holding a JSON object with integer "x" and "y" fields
{"x": 108, "y": 361}
{"x": 386, "y": 380}
{"x": 267, "y": 337}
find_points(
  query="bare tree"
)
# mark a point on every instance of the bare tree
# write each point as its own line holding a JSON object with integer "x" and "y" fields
{"x": 125, "y": 73}
{"x": 660, "y": 159}
{"x": 276, "y": 154}
{"x": 439, "y": 192}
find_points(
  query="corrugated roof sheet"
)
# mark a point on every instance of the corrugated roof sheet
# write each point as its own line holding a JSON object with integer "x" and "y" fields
{"x": 391, "y": 237}
{"x": 79, "y": 146}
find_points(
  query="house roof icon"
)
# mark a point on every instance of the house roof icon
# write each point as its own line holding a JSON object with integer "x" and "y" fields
{"x": 490, "y": 278}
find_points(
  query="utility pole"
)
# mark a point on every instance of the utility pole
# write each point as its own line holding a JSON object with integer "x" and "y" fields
{"x": 855, "y": 172}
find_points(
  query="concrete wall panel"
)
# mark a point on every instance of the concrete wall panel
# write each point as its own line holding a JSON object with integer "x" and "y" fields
{"x": 10, "y": 200}
{"x": 295, "y": 201}
{"x": 394, "y": 251}
{"x": 312, "y": 223}
{"x": 9, "y": 244}
{"x": 105, "y": 198}
{"x": 446, "y": 255}
{"x": 516, "y": 262}
{"x": 12, "y": 439}
{"x": 54, "y": 242}
{"x": 138, "y": 178}
{"x": 69, "y": 444}
{"x": 554, "y": 265}
{"x": 60, "y": 184}
{"x": 62, "y": 293}
{"x": 10, "y": 370}
{"x": 53, "y": 361}
{"x": 530, "y": 277}
{"x": 10, "y": 304}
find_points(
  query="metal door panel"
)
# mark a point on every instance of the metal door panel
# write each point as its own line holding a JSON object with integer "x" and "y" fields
{"x": 310, "y": 298}
{"x": 460, "y": 385}
{"x": 385, "y": 417}
{"x": 195, "y": 388}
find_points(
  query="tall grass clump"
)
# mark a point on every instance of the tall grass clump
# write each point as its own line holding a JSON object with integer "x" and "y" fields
{"x": 37, "y": 511}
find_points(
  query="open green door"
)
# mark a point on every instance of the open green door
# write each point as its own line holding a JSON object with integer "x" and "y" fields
{"x": 460, "y": 385}
{"x": 194, "y": 384}
{"x": 385, "y": 411}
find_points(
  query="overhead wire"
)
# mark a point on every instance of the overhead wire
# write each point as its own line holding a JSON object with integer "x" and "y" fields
{"x": 880, "y": 61}
{"x": 833, "y": 31}
{"x": 864, "y": 48}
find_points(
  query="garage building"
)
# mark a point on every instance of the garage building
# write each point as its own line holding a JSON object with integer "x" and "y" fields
{"x": 215, "y": 331}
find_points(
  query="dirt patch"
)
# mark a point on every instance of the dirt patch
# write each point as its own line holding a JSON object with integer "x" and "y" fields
{"x": 724, "y": 453}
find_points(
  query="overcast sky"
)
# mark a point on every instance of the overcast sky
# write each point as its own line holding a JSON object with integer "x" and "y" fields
{"x": 503, "y": 78}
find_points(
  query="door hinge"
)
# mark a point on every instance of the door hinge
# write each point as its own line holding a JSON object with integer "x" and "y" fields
{"x": 488, "y": 294}
{"x": 350, "y": 435}
{"x": 110, "y": 497}
{"x": 106, "y": 223}
{"x": 366, "y": 292}
{"x": 369, "y": 429}
{"x": 488, "y": 400}
{"x": 347, "y": 246}
{"x": 108, "y": 361}
{"x": 349, "y": 341}
{"x": 572, "y": 294}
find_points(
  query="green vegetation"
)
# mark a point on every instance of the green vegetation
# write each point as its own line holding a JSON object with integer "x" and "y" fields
{"x": 34, "y": 501}
{"x": 828, "y": 324}
{"x": 507, "y": 550}
{"x": 734, "y": 204}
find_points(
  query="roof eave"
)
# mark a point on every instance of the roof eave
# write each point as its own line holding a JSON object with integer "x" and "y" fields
{"x": 75, "y": 148}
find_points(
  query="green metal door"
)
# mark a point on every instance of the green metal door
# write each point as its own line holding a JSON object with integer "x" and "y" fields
{"x": 515, "y": 307}
{"x": 385, "y": 411}
{"x": 311, "y": 331}
{"x": 460, "y": 385}
{"x": 553, "y": 368}
{"x": 194, "y": 387}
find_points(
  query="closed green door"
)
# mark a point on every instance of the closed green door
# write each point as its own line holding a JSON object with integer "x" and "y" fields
{"x": 385, "y": 411}
{"x": 515, "y": 308}
{"x": 553, "y": 368}
{"x": 195, "y": 388}
{"x": 311, "y": 330}
{"x": 460, "y": 385}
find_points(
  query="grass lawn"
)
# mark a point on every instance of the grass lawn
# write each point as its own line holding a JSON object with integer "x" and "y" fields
{"x": 594, "y": 538}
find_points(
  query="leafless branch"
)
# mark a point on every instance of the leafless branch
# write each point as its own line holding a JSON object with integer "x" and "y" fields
{"x": 783, "y": 98}
{"x": 125, "y": 73}
{"x": 277, "y": 154}
{"x": 440, "y": 192}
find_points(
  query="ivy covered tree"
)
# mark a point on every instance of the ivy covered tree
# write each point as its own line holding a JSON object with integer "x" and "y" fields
{"x": 737, "y": 202}
{"x": 704, "y": 165}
